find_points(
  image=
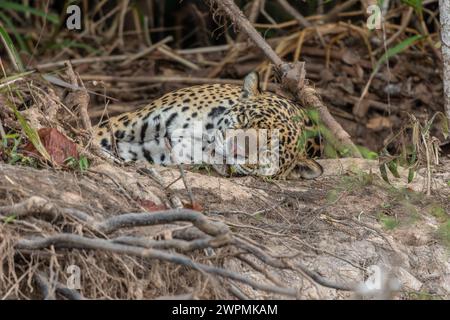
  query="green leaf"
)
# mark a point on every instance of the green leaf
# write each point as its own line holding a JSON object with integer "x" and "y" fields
{"x": 74, "y": 44}
{"x": 444, "y": 124}
{"x": 71, "y": 161}
{"x": 17, "y": 35}
{"x": 389, "y": 222}
{"x": 383, "y": 172}
{"x": 14, "y": 77}
{"x": 13, "y": 55}
{"x": 444, "y": 232}
{"x": 367, "y": 154}
{"x": 313, "y": 115}
{"x": 411, "y": 174}
{"x": 393, "y": 167}
{"x": 439, "y": 213}
{"x": 396, "y": 50}
{"x": 83, "y": 163}
{"x": 10, "y": 218}
{"x": 416, "y": 4}
{"x": 7, "y": 5}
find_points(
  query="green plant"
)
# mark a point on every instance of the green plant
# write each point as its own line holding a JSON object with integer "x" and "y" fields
{"x": 31, "y": 134}
{"x": 389, "y": 223}
{"x": 414, "y": 145}
{"x": 439, "y": 213}
{"x": 332, "y": 196}
{"x": 423, "y": 295}
{"x": 391, "y": 52}
{"x": 9, "y": 218}
{"x": 10, "y": 145}
{"x": 10, "y": 48}
{"x": 356, "y": 180}
{"x": 417, "y": 5}
{"x": 331, "y": 148}
{"x": 82, "y": 163}
{"x": 8, "y": 23}
{"x": 201, "y": 167}
{"x": 444, "y": 233}
{"x": 18, "y": 7}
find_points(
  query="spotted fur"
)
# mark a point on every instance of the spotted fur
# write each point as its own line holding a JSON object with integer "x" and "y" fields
{"x": 148, "y": 133}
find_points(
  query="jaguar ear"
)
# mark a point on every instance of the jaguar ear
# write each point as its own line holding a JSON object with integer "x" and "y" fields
{"x": 307, "y": 169}
{"x": 251, "y": 85}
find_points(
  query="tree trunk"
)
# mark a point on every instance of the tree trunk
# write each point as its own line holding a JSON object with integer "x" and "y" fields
{"x": 444, "y": 9}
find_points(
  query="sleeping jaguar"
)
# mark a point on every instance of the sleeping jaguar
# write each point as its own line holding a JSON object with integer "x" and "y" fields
{"x": 237, "y": 129}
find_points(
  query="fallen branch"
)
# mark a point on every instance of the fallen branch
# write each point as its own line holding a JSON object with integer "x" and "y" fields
{"x": 131, "y": 220}
{"x": 179, "y": 245}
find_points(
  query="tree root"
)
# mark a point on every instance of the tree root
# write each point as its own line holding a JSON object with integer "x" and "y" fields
{"x": 203, "y": 234}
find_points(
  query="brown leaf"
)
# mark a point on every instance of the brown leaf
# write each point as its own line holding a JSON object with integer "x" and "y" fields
{"x": 326, "y": 75}
{"x": 350, "y": 57}
{"x": 379, "y": 123}
{"x": 423, "y": 93}
{"x": 194, "y": 206}
{"x": 151, "y": 206}
{"x": 360, "y": 110}
{"x": 58, "y": 146}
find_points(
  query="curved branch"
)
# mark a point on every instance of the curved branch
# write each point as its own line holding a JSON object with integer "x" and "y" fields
{"x": 130, "y": 220}
{"x": 181, "y": 245}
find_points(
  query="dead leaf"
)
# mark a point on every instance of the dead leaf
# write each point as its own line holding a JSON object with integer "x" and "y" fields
{"x": 58, "y": 146}
{"x": 151, "y": 206}
{"x": 350, "y": 57}
{"x": 423, "y": 93}
{"x": 360, "y": 109}
{"x": 326, "y": 75}
{"x": 194, "y": 206}
{"x": 379, "y": 123}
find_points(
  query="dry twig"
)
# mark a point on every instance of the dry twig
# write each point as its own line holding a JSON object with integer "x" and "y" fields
{"x": 79, "y": 98}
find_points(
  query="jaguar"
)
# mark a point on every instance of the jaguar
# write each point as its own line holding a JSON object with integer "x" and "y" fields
{"x": 217, "y": 124}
